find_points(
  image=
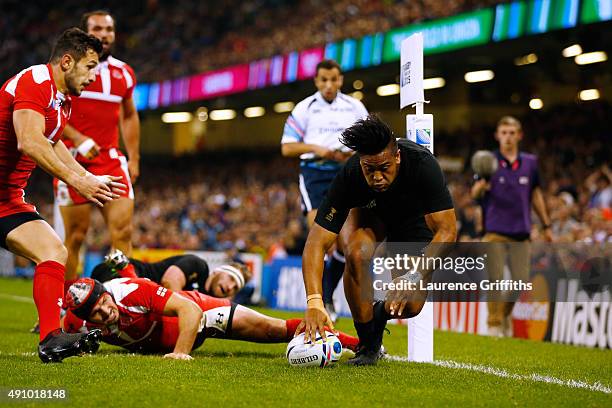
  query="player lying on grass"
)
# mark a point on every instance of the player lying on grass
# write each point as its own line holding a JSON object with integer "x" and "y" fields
{"x": 144, "y": 317}
{"x": 181, "y": 272}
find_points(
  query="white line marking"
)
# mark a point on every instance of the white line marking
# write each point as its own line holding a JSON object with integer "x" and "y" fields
{"x": 596, "y": 387}
{"x": 16, "y": 298}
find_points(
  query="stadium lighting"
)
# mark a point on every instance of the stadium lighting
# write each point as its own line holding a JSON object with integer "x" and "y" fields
{"x": 222, "y": 114}
{"x": 536, "y": 103}
{"x": 479, "y": 76}
{"x": 358, "y": 84}
{"x": 572, "y": 51}
{"x": 176, "y": 117}
{"x": 589, "y": 94}
{"x": 433, "y": 83}
{"x": 388, "y": 90}
{"x": 202, "y": 114}
{"x": 591, "y": 58}
{"x": 526, "y": 59}
{"x": 254, "y": 111}
{"x": 281, "y": 107}
{"x": 357, "y": 95}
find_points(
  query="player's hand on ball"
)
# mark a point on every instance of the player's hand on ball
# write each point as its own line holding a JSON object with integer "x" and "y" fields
{"x": 178, "y": 356}
{"x": 315, "y": 320}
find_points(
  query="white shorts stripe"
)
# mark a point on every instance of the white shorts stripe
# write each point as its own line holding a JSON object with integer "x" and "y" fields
{"x": 62, "y": 195}
{"x": 124, "y": 168}
{"x": 304, "y": 193}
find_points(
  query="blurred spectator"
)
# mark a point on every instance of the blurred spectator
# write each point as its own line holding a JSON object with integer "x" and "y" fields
{"x": 251, "y": 203}
{"x": 187, "y": 37}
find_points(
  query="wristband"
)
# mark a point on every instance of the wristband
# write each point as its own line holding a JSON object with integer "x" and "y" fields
{"x": 316, "y": 304}
{"x": 85, "y": 147}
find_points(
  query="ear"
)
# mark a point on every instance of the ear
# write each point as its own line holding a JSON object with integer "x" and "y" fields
{"x": 398, "y": 156}
{"x": 67, "y": 62}
{"x": 341, "y": 81}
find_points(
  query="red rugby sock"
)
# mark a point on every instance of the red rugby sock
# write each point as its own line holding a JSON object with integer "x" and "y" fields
{"x": 48, "y": 294}
{"x": 348, "y": 341}
{"x": 292, "y": 324}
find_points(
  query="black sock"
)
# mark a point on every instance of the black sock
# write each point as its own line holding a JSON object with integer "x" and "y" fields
{"x": 380, "y": 314}
{"x": 365, "y": 333}
{"x": 334, "y": 269}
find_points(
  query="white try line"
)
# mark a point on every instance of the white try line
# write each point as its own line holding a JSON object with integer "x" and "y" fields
{"x": 596, "y": 387}
{"x": 16, "y": 298}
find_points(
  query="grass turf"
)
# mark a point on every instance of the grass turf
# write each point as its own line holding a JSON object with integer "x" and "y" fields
{"x": 231, "y": 373}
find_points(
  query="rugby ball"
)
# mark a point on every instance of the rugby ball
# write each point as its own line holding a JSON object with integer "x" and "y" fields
{"x": 320, "y": 353}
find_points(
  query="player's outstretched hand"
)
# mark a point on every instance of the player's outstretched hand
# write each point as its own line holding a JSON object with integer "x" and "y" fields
{"x": 134, "y": 170}
{"x": 99, "y": 189}
{"x": 314, "y": 321}
{"x": 178, "y": 356}
{"x": 113, "y": 182}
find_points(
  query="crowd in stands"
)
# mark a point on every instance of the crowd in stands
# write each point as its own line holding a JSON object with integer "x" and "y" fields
{"x": 164, "y": 39}
{"x": 250, "y": 200}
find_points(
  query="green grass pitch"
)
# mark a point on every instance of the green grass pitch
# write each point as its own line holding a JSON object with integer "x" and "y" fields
{"x": 485, "y": 372}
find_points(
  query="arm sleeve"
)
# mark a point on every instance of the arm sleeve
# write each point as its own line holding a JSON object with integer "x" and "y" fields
{"x": 434, "y": 191}
{"x": 190, "y": 264}
{"x": 131, "y": 82}
{"x": 295, "y": 126}
{"x": 30, "y": 95}
{"x": 335, "y": 207}
{"x": 362, "y": 112}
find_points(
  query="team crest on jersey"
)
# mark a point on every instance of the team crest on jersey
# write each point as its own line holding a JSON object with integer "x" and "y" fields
{"x": 371, "y": 204}
{"x": 117, "y": 75}
{"x": 330, "y": 216}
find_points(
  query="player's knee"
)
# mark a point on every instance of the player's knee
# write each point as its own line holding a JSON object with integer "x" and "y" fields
{"x": 122, "y": 231}
{"x": 358, "y": 255}
{"x": 55, "y": 252}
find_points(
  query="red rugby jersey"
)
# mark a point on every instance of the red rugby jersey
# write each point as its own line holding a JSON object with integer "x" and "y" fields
{"x": 96, "y": 112}
{"x": 33, "y": 88}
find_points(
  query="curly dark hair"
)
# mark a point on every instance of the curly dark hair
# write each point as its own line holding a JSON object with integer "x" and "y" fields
{"x": 369, "y": 136}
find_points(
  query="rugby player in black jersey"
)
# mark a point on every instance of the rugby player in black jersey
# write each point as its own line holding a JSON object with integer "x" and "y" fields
{"x": 181, "y": 272}
{"x": 391, "y": 190}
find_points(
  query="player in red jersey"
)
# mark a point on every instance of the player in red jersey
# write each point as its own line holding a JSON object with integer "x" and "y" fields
{"x": 144, "y": 317}
{"x": 104, "y": 108}
{"x": 34, "y": 107}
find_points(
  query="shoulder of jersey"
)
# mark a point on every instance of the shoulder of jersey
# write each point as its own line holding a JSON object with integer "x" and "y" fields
{"x": 31, "y": 76}
{"x": 119, "y": 64}
{"x": 529, "y": 156}
{"x": 305, "y": 103}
